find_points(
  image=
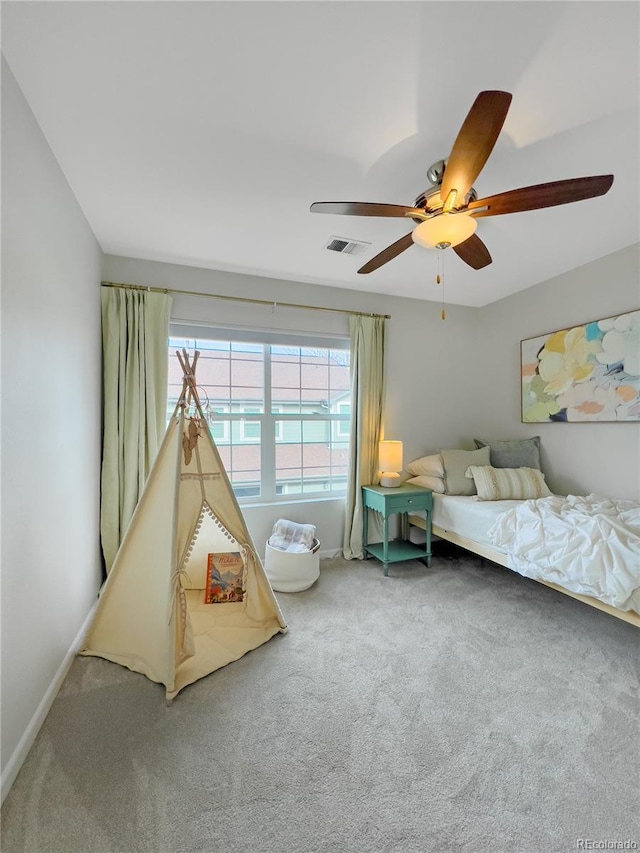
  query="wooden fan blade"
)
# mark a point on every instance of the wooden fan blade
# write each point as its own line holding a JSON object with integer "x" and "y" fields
{"x": 542, "y": 195}
{"x": 363, "y": 208}
{"x": 474, "y": 143}
{"x": 388, "y": 254}
{"x": 473, "y": 252}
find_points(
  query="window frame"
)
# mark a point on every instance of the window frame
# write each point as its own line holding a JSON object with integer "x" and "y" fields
{"x": 271, "y": 417}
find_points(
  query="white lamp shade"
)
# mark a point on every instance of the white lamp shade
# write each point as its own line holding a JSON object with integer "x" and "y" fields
{"x": 447, "y": 229}
{"x": 390, "y": 461}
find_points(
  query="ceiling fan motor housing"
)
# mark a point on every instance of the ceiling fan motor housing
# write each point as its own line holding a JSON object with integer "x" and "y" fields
{"x": 435, "y": 172}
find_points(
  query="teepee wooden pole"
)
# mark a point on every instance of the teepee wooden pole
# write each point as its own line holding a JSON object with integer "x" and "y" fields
{"x": 182, "y": 400}
{"x": 189, "y": 380}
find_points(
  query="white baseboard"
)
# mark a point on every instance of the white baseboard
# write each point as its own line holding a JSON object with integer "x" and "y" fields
{"x": 329, "y": 555}
{"x": 26, "y": 741}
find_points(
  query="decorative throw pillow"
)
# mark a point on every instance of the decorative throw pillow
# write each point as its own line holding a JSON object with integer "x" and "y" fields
{"x": 431, "y": 466}
{"x": 436, "y": 484}
{"x": 455, "y": 463}
{"x": 508, "y": 484}
{"x": 519, "y": 453}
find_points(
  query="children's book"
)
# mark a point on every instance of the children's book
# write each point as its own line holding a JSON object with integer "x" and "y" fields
{"x": 225, "y": 578}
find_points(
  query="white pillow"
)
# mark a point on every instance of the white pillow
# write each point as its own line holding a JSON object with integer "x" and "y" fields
{"x": 430, "y": 466}
{"x": 436, "y": 484}
{"x": 507, "y": 484}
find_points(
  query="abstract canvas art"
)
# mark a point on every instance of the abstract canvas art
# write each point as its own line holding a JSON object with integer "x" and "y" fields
{"x": 586, "y": 373}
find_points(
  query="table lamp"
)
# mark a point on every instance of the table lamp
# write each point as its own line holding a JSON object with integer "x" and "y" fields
{"x": 390, "y": 461}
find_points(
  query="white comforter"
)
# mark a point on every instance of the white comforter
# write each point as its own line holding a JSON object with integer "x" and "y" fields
{"x": 589, "y": 545}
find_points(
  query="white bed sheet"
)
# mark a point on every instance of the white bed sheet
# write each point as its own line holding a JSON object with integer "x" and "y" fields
{"x": 468, "y": 517}
{"x": 589, "y": 545}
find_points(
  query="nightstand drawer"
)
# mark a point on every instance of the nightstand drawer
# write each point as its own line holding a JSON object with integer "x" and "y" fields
{"x": 409, "y": 503}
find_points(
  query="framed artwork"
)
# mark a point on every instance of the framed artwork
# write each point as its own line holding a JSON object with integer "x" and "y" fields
{"x": 587, "y": 373}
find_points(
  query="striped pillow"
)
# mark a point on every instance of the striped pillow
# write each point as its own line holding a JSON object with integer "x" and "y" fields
{"x": 507, "y": 484}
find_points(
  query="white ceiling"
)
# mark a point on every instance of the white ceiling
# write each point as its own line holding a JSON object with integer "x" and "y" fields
{"x": 200, "y": 132}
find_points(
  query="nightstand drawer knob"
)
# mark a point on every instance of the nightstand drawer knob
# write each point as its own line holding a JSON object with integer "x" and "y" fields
{"x": 409, "y": 501}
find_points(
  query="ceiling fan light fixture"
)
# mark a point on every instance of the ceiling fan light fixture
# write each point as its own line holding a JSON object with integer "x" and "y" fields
{"x": 448, "y": 229}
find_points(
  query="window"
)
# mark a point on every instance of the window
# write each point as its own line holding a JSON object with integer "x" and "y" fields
{"x": 279, "y": 410}
{"x": 250, "y": 429}
{"x": 219, "y": 429}
{"x": 275, "y": 410}
{"x": 342, "y": 426}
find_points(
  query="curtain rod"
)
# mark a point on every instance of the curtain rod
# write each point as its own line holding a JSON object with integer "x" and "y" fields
{"x": 272, "y": 302}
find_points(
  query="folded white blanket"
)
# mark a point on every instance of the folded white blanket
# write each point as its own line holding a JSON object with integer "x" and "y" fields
{"x": 291, "y": 536}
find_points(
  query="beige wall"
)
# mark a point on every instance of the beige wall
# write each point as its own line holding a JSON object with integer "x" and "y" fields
{"x": 578, "y": 458}
{"x": 51, "y": 380}
{"x": 447, "y": 381}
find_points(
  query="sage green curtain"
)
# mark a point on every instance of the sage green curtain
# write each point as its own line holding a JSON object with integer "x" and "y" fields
{"x": 367, "y": 394}
{"x": 135, "y": 330}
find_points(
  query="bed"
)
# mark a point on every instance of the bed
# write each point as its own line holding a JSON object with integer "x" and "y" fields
{"x": 478, "y": 525}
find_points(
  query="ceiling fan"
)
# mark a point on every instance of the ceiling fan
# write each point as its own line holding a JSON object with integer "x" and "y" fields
{"x": 446, "y": 212}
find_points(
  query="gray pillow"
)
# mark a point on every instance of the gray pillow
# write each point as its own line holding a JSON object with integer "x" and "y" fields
{"x": 519, "y": 453}
{"x": 455, "y": 463}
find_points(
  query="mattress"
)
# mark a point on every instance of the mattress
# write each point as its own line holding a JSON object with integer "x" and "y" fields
{"x": 467, "y": 516}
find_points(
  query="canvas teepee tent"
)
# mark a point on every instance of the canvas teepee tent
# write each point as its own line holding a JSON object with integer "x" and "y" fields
{"x": 152, "y": 616}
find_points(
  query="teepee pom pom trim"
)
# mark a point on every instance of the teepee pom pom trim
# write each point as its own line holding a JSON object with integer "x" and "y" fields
{"x": 218, "y": 523}
{"x": 196, "y": 531}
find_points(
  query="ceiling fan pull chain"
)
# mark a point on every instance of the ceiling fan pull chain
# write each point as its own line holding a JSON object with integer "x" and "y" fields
{"x": 443, "y": 313}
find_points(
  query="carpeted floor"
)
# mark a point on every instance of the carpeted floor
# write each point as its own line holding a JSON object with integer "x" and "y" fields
{"x": 456, "y": 708}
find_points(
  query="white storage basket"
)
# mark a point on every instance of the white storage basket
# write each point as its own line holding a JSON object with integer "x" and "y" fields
{"x": 292, "y": 571}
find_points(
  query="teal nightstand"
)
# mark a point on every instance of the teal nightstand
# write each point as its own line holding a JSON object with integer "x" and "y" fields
{"x": 387, "y": 502}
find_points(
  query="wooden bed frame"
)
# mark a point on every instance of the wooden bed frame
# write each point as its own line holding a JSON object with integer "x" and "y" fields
{"x": 495, "y": 556}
